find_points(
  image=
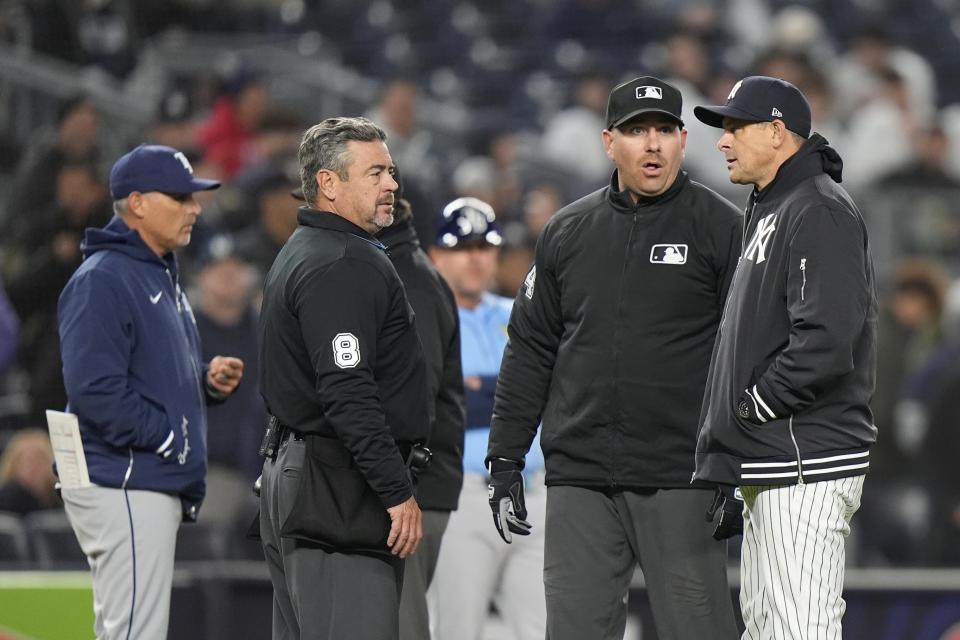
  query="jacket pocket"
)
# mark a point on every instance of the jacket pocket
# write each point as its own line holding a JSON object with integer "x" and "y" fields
{"x": 334, "y": 505}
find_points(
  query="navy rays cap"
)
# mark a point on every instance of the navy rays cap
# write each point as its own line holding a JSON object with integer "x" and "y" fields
{"x": 153, "y": 167}
{"x": 643, "y": 95}
{"x": 761, "y": 99}
{"x": 468, "y": 221}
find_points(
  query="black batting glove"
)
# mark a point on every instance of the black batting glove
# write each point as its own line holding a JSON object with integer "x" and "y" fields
{"x": 752, "y": 408}
{"x": 505, "y": 494}
{"x": 728, "y": 502}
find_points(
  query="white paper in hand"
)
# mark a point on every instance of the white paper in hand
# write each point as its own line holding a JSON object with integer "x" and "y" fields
{"x": 68, "y": 450}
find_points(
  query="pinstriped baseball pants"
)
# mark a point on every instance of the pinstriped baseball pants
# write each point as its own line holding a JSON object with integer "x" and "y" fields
{"x": 792, "y": 563}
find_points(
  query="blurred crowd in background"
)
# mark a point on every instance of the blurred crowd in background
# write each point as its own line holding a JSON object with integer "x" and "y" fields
{"x": 502, "y": 100}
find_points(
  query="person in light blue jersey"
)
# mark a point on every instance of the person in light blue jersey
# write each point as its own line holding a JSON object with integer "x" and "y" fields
{"x": 465, "y": 253}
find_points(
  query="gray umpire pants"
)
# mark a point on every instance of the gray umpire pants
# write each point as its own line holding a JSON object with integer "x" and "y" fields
{"x": 321, "y": 594}
{"x": 594, "y": 542}
{"x": 129, "y": 538}
{"x": 417, "y": 574}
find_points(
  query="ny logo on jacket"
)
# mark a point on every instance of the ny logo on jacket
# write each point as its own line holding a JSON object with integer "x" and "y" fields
{"x": 758, "y": 244}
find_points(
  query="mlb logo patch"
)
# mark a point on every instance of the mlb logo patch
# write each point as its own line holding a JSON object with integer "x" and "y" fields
{"x": 649, "y": 92}
{"x": 668, "y": 254}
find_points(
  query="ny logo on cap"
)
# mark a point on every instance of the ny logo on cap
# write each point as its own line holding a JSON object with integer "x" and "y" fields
{"x": 649, "y": 92}
{"x": 733, "y": 91}
{"x": 183, "y": 160}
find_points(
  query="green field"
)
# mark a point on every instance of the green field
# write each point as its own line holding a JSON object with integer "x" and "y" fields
{"x": 45, "y": 605}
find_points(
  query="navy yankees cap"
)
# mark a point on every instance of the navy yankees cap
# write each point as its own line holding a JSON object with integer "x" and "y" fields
{"x": 153, "y": 167}
{"x": 761, "y": 99}
{"x": 468, "y": 221}
{"x": 643, "y": 95}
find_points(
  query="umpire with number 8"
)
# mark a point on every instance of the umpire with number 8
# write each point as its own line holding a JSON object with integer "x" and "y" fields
{"x": 609, "y": 342}
{"x": 343, "y": 377}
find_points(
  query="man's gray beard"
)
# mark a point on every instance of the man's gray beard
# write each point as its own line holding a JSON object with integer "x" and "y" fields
{"x": 382, "y": 222}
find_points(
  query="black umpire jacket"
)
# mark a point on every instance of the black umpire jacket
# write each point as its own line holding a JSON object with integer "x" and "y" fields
{"x": 438, "y": 325}
{"x": 339, "y": 351}
{"x": 611, "y": 333}
{"x": 800, "y": 332}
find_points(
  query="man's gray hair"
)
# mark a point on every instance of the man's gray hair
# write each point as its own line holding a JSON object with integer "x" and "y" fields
{"x": 120, "y": 206}
{"x": 324, "y": 146}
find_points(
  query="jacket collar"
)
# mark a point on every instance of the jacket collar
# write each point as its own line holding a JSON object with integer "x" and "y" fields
{"x": 813, "y": 158}
{"x": 401, "y": 236}
{"x": 118, "y": 236}
{"x": 621, "y": 200}
{"x": 308, "y": 217}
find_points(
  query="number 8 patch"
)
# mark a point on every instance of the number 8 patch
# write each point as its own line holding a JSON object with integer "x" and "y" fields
{"x": 346, "y": 350}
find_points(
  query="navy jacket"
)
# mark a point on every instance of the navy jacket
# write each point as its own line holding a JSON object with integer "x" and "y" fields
{"x": 132, "y": 367}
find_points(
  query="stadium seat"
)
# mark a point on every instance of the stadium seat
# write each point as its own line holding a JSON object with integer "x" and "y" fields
{"x": 14, "y": 552}
{"x": 54, "y": 544}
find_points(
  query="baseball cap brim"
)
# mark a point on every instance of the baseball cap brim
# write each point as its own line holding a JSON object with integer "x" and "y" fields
{"x": 199, "y": 184}
{"x": 640, "y": 112}
{"x": 713, "y": 116}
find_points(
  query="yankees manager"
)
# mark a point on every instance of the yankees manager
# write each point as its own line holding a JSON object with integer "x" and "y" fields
{"x": 786, "y": 414}
{"x": 609, "y": 342}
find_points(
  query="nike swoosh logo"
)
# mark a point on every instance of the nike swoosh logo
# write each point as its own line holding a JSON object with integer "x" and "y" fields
{"x": 155, "y": 299}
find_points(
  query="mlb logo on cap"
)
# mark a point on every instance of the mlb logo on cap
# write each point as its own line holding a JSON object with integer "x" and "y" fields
{"x": 650, "y": 92}
{"x": 643, "y": 95}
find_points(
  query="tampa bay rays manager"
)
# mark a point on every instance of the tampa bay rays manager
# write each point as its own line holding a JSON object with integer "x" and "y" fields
{"x": 609, "y": 341}
{"x": 343, "y": 376}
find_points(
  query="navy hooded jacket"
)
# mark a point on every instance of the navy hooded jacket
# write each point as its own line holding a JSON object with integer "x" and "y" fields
{"x": 132, "y": 368}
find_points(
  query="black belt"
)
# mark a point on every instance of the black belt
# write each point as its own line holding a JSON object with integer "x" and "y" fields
{"x": 414, "y": 455}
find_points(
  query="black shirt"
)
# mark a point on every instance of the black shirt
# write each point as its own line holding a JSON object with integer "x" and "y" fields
{"x": 611, "y": 334}
{"x": 339, "y": 352}
{"x": 438, "y": 324}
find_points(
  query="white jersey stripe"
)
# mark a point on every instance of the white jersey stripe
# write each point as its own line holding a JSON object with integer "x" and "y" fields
{"x": 806, "y": 461}
{"x": 847, "y": 456}
{"x": 756, "y": 394}
{"x": 746, "y": 476}
{"x": 808, "y": 472}
{"x": 759, "y": 465}
{"x": 756, "y": 407}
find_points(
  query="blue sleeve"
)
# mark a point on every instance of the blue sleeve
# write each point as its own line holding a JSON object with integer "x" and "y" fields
{"x": 9, "y": 331}
{"x": 97, "y": 335}
{"x": 480, "y": 402}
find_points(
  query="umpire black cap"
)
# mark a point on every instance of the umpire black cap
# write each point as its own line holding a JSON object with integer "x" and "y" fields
{"x": 468, "y": 221}
{"x": 761, "y": 99}
{"x": 643, "y": 95}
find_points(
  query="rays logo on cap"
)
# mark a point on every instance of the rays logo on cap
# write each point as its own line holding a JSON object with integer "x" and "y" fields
{"x": 183, "y": 160}
{"x": 649, "y": 92}
{"x": 472, "y": 221}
